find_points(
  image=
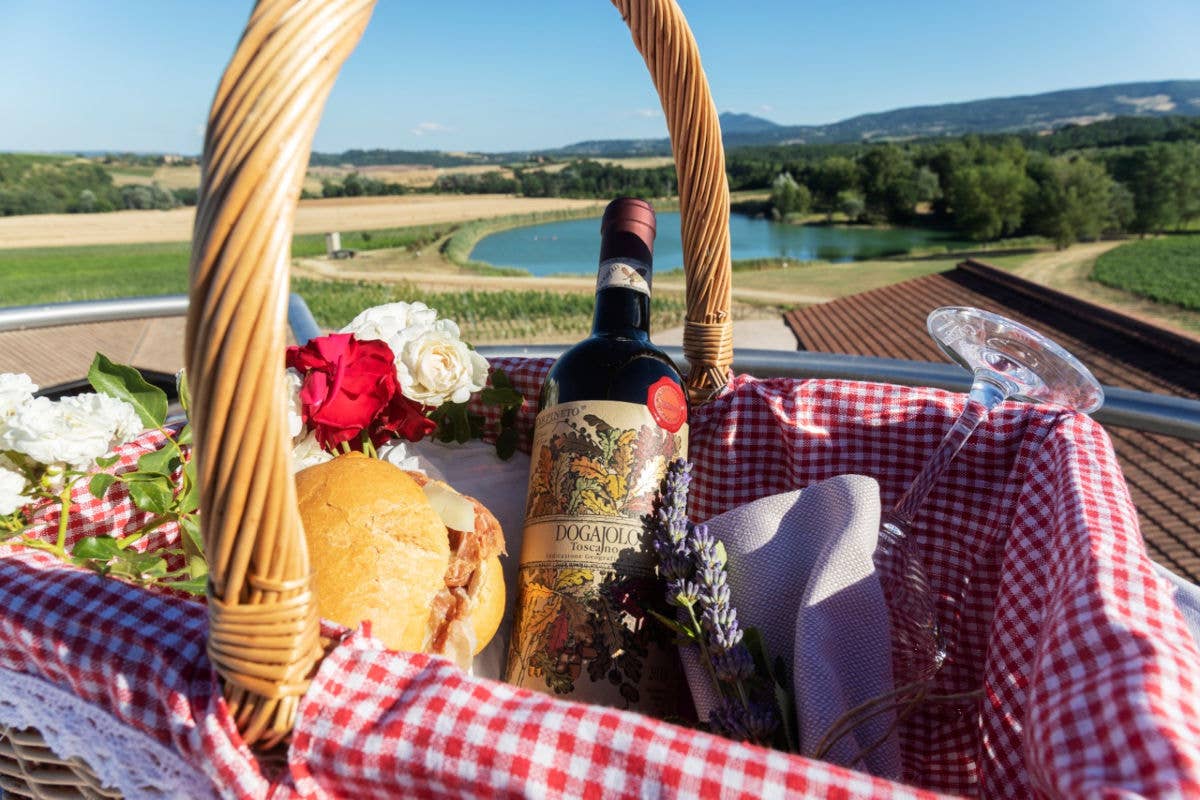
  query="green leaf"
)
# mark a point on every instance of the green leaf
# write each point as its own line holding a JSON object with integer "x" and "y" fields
{"x": 686, "y": 635}
{"x": 197, "y": 567}
{"x": 196, "y": 586}
{"x": 107, "y": 461}
{"x": 501, "y": 397}
{"x": 506, "y": 443}
{"x": 138, "y": 566}
{"x": 162, "y": 462}
{"x": 126, "y": 383}
{"x": 476, "y": 421}
{"x": 500, "y": 379}
{"x": 184, "y": 391}
{"x": 154, "y": 494}
{"x": 189, "y": 498}
{"x": 779, "y": 684}
{"x": 185, "y": 435}
{"x": 100, "y": 483}
{"x": 193, "y": 542}
{"x": 100, "y": 548}
{"x": 462, "y": 425}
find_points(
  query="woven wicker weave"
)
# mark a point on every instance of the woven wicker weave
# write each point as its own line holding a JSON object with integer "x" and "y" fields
{"x": 28, "y": 768}
{"x": 263, "y": 624}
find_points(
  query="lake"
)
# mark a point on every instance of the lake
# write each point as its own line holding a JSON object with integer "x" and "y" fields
{"x": 555, "y": 248}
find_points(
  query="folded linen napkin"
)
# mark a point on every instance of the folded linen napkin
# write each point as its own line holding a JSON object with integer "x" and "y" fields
{"x": 801, "y": 571}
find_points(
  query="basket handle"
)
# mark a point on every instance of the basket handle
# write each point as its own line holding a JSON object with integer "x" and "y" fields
{"x": 263, "y": 627}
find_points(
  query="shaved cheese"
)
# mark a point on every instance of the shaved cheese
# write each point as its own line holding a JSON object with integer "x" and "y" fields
{"x": 456, "y": 511}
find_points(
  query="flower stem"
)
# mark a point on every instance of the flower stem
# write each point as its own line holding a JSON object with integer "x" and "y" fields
{"x": 153, "y": 524}
{"x": 64, "y": 515}
{"x": 703, "y": 648}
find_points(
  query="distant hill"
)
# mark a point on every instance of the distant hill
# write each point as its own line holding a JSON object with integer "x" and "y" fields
{"x": 1036, "y": 112}
{"x": 997, "y": 115}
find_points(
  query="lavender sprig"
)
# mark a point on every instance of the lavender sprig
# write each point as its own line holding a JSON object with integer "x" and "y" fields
{"x": 693, "y": 564}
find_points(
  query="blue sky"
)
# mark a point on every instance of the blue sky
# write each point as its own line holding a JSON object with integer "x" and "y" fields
{"x": 488, "y": 75}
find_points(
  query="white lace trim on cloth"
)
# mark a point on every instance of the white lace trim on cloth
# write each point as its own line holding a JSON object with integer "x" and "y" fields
{"x": 122, "y": 757}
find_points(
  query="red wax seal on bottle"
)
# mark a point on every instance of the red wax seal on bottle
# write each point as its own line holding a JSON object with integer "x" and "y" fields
{"x": 667, "y": 404}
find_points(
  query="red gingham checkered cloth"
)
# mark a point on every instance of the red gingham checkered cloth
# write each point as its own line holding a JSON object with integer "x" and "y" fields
{"x": 1089, "y": 678}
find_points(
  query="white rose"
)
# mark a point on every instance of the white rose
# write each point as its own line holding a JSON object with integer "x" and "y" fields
{"x": 74, "y": 431}
{"x": 308, "y": 453}
{"x": 12, "y": 491}
{"x": 396, "y": 452}
{"x": 108, "y": 411}
{"x": 390, "y": 322}
{"x": 291, "y": 384}
{"x": 436, "y": 366}
{"x": 16, "y": 389}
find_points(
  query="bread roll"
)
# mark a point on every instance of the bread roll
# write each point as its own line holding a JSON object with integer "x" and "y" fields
{"x": 381, "y": 553}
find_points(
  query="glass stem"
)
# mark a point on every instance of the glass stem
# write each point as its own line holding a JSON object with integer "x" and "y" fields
{"x": 987, "y": 392}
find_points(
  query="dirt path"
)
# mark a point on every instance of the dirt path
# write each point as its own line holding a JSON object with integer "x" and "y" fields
{"x": 1070, "y": 271}
{"x": 1054, "y": 267}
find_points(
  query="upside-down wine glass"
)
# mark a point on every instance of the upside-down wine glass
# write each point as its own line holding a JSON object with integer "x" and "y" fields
{"x": 1007, "y": 360}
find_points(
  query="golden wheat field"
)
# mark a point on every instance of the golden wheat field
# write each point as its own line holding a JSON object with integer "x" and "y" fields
{"x": 312, "y": 216}
{"x": 414, "y": 176}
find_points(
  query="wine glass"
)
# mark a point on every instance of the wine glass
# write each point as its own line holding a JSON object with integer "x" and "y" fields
{"x": 1007, "y": 360}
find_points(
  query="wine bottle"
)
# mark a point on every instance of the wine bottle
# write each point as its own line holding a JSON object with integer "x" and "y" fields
{"x": 612, "y": 415}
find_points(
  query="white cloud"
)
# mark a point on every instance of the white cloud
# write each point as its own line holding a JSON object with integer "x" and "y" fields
{"x": 429, "y": 128}
{"x": 766, "y": 109}
{"x": 647, "y": 113}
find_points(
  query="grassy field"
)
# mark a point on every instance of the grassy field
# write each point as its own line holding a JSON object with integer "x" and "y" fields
{"x": 1166, "y": 269}
{"x": 171, "y": 176}
{"x": 416, "y": 236}
{"x": 61, "y": 274}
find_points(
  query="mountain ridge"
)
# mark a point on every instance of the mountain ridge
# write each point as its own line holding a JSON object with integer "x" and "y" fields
{"x": 1012, "y": 114}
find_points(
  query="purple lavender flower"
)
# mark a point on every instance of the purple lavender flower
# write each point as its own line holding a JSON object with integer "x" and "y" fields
{"x": 733, "y": 665}
{"x": 692, "y": 562}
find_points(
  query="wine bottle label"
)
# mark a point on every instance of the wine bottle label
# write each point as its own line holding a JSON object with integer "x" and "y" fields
{"x": 586, "y": 585}
{"x": 623, "y": 274}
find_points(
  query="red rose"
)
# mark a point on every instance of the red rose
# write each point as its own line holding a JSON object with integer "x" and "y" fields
{"x": 347, "y": 383}
{"x": 403, "y": 418}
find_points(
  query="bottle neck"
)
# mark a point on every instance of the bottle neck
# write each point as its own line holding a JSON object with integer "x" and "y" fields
{"x": 622, "y": 312}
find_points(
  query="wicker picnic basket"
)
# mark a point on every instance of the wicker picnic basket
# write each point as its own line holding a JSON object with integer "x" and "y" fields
{"x": 1087, "y": 681}
{"x": 264, "y": 638}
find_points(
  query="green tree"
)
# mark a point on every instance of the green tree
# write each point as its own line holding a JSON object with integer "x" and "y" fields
{"x": 929, "y": 188}
{"x": 851, "y": 203}
{"x": 352, "y": 185}
{"x": 1071, "y": 199}
{"x": 984, "y": 185}
{"x": 788, "y": 197}
{"x": 988, "y": 200}
{"x": 829, "y": 178}
{"x": 1164, "y": 179}
{"x": 1121, "y": 210}
{"x": 889, "y": 184}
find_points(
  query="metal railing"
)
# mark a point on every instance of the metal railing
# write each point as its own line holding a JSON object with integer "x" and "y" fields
{"x": 1127, "y": 408}
{"x": 50, "y": 315}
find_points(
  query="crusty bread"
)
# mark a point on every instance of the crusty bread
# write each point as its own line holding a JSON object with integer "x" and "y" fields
{"x": 381, "y": 553}
{"x": 489, "y": 609}
{"x": 377, "y": 548}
